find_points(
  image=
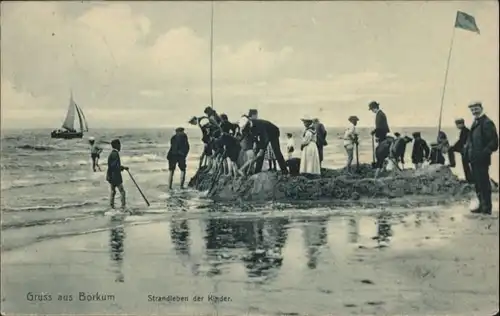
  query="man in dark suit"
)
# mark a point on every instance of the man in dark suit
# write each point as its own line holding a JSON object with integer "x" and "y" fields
{"x": 265, "y": 133}
{"x": 321, "y": 138}
{"x": 381, "y": 125}
{"x": 380, "y": 133}
{"x": 459, "y": 148}
{"x": 481, "y": 143}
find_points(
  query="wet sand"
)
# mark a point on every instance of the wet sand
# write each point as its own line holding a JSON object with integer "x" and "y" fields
{"x": 437, "y": 260}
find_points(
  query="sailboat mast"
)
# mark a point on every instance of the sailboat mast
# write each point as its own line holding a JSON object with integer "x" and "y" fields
{"x": 211, "y": 54}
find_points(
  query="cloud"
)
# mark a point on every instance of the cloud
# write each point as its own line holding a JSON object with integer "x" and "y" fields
{"x": 106, "y": 55}
{"x": 117, "y": 58}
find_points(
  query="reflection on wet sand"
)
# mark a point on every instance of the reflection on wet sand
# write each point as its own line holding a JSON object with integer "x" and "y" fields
{"x": 315, "y": 234}
{"x": 117, "y": 238}
{"x": 384, "y": 230}
{"x": 262, "y": 240}
{"x": 353, "y": 230}
{"x": 179, "y": 234}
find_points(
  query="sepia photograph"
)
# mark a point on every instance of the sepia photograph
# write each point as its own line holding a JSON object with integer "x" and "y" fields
{"x": 249, "y": 158}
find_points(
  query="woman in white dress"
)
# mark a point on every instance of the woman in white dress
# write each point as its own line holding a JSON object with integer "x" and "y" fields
{"x": 309, "y": 161}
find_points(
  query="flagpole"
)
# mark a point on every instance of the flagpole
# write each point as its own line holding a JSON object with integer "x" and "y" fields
{"x": 446, "y": 79}
{"x": 211, "y": 54}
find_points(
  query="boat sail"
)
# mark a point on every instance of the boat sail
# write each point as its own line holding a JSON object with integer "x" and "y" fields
{"x": 69, "y": 131}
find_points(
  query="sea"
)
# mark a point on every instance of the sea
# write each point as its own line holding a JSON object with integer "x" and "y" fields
{"x": 48, "y": 188}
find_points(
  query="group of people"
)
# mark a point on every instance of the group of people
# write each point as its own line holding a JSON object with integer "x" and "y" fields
{"x": 475, "y": 146}
{"x": 241, "y": 148}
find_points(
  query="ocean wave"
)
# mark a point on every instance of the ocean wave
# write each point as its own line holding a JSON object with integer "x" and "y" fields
{"x": 143, "y": 158}
{"x": 17, "y": 184}
{"x": 40, "y": 148}
{"x": 47, "y": 207}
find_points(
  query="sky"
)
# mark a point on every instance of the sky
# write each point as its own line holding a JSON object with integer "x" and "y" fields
{"x": 147, "y": 64}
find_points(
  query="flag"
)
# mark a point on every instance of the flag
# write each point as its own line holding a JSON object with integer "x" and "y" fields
{"x": 466, "y": 22}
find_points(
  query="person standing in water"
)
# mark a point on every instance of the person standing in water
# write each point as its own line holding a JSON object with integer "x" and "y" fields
{"x": 114, "y": 173}
{"x": 351, "y": 140}
{"x": 95, "y": 152}
{"x": 176, "y": 156}
{"x": 481, "y": 144}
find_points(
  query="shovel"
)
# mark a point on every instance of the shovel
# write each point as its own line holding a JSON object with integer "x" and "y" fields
{"x": 374, "y": 163}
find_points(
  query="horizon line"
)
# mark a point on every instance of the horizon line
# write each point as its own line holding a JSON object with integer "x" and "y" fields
{"x": 196, "y": 127}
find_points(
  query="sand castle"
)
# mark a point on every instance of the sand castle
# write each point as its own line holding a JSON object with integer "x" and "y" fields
{"x": 334, "y": 185}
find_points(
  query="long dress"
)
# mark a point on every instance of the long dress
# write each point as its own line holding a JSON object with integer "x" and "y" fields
{"x": 309, "y": 161}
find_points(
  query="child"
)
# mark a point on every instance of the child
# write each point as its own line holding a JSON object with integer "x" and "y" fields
{"x": 290, "y": 145}
{"x": 271, "y": 158}
{"x": 95, "y": 152}
{"x": 114, "y": 173}
{"x": 232, "y": 148}
{"x": 436, "y": 155}
{"x": 350, "y": 139}
{"x": 176, "y": 156}
{"x": 420, "y": 150}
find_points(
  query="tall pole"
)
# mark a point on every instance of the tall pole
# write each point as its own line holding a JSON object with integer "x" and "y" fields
{"x": 446, "y": 80}
{"x": 211, "y": 54}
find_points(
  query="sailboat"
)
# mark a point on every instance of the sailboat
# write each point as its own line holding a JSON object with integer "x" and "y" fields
{"x": 68, "y": 130}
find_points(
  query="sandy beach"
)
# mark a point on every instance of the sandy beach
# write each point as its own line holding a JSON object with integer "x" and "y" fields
{"x": 428, "y": 261}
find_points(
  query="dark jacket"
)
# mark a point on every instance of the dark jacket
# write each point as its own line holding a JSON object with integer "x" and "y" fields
{"x": 230, "y": 144}
{"x": 381, "y": 125}
{"x": 114, "y": 173}
{"x": 321, "y": 135}
{"x": 482, "y": 141}
{"x": 399, "y": 149}
{"x": 264, "y": 131}
{"x": 436, "y": 156}
{"x": 462, "y": 139}
{"x": 420, "y": 152}
{"x": 179, "y": 146}
{"x": 228, "y": 127}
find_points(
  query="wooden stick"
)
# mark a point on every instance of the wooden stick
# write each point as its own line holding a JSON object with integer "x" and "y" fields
{"x": 137, "y": 186}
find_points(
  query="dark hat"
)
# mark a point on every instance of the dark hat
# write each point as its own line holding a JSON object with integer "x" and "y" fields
{"x": 459, "y": 121}
{"x": 416, "y": 134}
{"x": 223, "y": 116}
{"x": 179, "y": 129}
{"x": 373, "y": 105}
{"x": 208, "y": 110}
{"x": 397, "y": 134}
{"x": 289, "y": 134}
{"x": 353, "y": 118}
{"x": 476, "y": 104}
{"x": 252, "y": 112}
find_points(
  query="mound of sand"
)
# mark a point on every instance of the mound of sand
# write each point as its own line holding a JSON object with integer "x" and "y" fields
{"x": 435, "y": 180}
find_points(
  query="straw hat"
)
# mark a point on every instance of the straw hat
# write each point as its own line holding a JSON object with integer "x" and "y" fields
{"x": 91, "y": 139}
{"x": 306, "y": 118}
